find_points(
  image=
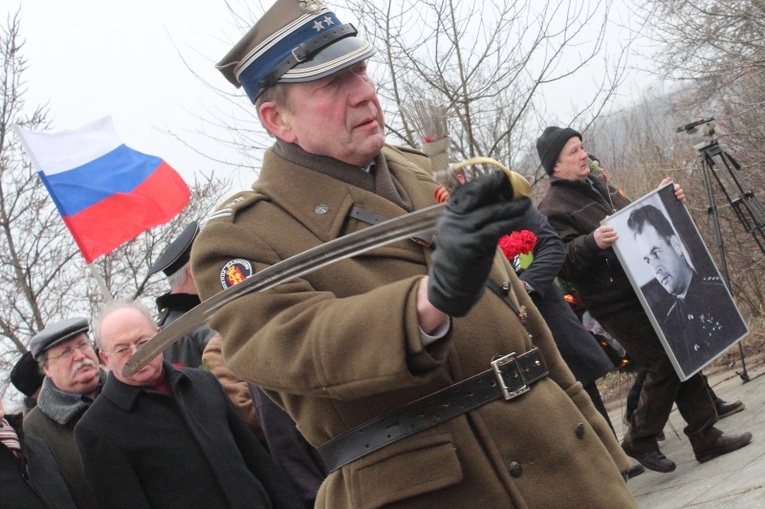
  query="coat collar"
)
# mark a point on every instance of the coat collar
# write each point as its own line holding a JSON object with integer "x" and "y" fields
{"x": 321, "y": 200}
{"x": 177, "y": 301}
{"x": 125, "y": 396}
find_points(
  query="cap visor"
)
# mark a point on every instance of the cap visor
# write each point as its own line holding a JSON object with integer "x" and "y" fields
{"x": 344, "y": 53}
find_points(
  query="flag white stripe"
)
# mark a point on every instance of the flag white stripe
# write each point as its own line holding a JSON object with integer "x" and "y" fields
{"x": 62, "y": 150}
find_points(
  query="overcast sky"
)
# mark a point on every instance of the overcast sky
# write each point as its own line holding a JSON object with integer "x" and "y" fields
{"x": 90, "y": 58}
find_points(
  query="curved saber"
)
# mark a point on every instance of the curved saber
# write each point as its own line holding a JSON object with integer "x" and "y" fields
{"x": 303, "y": 263}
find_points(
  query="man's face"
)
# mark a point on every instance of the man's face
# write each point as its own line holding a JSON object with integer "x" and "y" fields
{"x": 72, "y": 365}
{"x": 123, "y": 331}
{"x": 572, "y": 161}
{"x": 338, "y": 116}
{"x": 666, "y": 259}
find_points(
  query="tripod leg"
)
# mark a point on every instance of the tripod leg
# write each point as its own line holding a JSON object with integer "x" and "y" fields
{"x": 707, "y": 164}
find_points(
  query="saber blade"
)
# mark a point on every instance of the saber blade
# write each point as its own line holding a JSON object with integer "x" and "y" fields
{"x": 303, "y": 263}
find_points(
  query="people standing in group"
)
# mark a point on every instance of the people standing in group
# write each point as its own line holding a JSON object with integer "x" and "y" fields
{"x": 73, "y": 380}
{"x": 574, "y": 204}
{"x": 167, "y": 436}
{"x": 365, "y": 338}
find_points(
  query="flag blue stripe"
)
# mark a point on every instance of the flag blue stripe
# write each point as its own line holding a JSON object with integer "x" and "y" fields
{"x": 120, "y": 171}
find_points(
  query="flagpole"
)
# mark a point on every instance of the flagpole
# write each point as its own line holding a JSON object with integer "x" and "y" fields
{"x": 100, "y": 282}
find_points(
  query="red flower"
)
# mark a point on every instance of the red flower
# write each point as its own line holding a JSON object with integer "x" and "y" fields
{"x": 521, "y": 242}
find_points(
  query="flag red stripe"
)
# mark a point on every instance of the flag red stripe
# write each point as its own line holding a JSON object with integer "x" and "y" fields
{"x": 104, "y": 226}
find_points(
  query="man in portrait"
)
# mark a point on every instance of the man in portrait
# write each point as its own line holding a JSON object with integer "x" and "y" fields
{"x": 696, "y": 313}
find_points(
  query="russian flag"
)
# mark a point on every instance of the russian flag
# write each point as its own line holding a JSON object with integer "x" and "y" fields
{"x": 106, "y": 192}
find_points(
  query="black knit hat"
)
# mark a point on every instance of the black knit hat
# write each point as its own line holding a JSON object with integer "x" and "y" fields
{"x": 551, "y": 143}
{"x": 26, "y": 375}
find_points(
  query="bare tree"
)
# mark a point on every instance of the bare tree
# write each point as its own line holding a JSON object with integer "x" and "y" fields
{"x": 43, "y": 277}
{"x": 34, "y": 246}
{"x": 713, "y": 41}
{"x": 490, "y": 64}
{"x": 715, "y": 50}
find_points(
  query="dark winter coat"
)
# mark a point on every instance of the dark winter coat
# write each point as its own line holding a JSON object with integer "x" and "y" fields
{"x": 188, "y": 350}
{"x": 294, "y": 455}
{"x": 574, "y": 210}
{"x": 34, "y": 481}
{"x": 143, "y": 449}
{"x": 53, "y": 420}
{"x": 581, "y": 351}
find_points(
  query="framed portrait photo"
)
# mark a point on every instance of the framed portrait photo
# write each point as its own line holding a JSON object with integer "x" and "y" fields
{"x": 676, "y": 280}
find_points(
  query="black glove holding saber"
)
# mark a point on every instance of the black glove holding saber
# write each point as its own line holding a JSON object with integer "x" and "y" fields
{"x": 477, "y": 215}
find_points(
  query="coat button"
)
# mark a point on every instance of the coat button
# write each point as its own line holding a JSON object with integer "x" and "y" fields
{"x": 580, "y": 430}
{"x": 321, "y": 209}
{"x": 516, "y": 469}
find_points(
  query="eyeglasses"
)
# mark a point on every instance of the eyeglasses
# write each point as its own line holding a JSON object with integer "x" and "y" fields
{"x": 68, "y": 352}
{"x": 125, "y": 350}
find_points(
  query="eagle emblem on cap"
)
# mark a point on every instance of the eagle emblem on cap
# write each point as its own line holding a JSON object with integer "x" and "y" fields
{"x": 311, "y": 6}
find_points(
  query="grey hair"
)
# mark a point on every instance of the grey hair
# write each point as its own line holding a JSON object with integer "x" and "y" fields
{"x": 114, "y": 305}
{"x": 178, "y": 277}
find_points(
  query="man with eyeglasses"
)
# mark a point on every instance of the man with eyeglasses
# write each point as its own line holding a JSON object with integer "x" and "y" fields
{"x": 167, "y": 436}
{"x": 72, "y": 382}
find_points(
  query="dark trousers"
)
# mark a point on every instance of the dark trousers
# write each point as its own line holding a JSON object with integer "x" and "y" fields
{"x": 634, "y": 394}
{"x": 661, "y": 387}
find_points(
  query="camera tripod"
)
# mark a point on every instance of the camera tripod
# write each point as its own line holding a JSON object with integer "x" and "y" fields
{"x": 748, "y": 209}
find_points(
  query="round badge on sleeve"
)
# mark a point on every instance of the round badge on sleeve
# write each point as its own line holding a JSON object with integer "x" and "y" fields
{"x": 235, "y": 272}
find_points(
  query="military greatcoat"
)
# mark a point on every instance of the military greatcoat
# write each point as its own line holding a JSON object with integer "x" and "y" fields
{"x": 341, "y": 346}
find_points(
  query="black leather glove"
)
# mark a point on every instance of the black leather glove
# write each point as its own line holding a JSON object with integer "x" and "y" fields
{"x": 476, "y": 216}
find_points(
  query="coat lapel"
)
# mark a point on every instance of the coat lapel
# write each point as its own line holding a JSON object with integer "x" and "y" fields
{"x": 322, "y": 206}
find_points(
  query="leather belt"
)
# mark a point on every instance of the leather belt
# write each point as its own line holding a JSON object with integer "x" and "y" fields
{"x": 422, "y": 238}
{"x": 508, "y": 377}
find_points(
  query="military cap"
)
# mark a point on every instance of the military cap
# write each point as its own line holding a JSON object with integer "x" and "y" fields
{"x": 175, "y": 256}
{"x": 55, "y": 333}
{"x": 26, "y": 375}
{"x": 295, "y": 41}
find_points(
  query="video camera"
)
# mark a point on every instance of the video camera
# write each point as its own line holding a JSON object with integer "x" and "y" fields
{"x": 702, "y": 132}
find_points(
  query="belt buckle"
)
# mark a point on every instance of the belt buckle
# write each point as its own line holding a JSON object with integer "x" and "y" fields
{"x": 497, "y": 364}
